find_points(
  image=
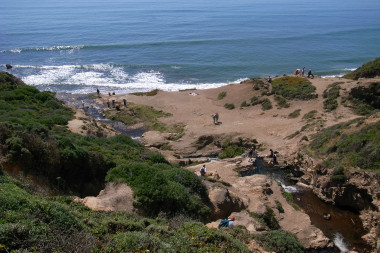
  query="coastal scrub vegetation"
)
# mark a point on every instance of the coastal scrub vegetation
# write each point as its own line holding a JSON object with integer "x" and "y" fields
{"x": 162, "y": 188}
{"x": 229, "y": 106}
{"x": 330, "y": 95}
{"x": 294, "y": 114}
{"x": 350, "y": 144}
{"x": 222, "y": 95}
{"x": 135, "y": 114}
{"x": 33, "y": 223}
{"x": 367, "y": 70}
{"x": 280, "y": 241}
{"x": 148, "y": 93}
{"x": 230, "y": 150}
{"x": 40, "y": 148}
{"x": 291, "y": 87}
{"x": 281, "y": 102}
{"x": 266, "y": 104}
{"x": 364, "y": 99}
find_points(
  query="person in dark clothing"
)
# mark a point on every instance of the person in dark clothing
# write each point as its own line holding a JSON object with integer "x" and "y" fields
{"x": 309, "y": 74}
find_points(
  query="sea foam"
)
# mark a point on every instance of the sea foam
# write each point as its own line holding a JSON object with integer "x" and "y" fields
{"x": 107, "y": 77}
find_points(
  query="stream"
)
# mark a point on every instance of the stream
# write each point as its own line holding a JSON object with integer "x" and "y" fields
{"x": 344, "y": 227}
{"x": 95, "y": 110}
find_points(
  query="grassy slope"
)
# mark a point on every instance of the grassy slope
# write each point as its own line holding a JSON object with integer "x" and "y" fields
{"x": 367, "y": 70}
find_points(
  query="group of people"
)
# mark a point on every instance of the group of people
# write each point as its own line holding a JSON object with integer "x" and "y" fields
{"x": 301, "y": 72}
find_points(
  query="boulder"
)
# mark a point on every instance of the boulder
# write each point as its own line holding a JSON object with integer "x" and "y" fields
{"x": 224, "y": 203}
{"x": 115, "y": 197}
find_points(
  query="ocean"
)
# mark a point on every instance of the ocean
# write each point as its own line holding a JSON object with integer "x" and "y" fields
{"x": 77, "y": 46}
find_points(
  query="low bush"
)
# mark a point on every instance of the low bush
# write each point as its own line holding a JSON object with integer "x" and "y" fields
{"x": 229, "y": 106}
{"x": 231, "y": 150}
{"x": 331, "y": 93}
{"x": 310, "y": 115}
{"x": 281, "y": 102}
{"x": 255, "y": 100}
{"x": 266, "y": 104}
{"x": 280, "y": 241}
{"x": 161, "y": 188}
{"x": 222, "y": 95}
{"x": 279, "y": 206}
{"x": 293, "y": 88}
{"x": 149, "y": 93}
{"x": 367, "y": 70}
{"x": 364, "y": 99}
{"x": 244, "y": 104}
{"x": 294, "y": 114}
{"x": 357, "y": 148}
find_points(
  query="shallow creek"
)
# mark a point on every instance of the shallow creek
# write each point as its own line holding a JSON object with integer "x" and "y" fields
{"x": 344, "y": 227}
{"x": 95, "y": 110}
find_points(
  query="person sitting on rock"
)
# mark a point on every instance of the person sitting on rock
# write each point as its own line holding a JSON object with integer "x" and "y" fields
{"x": 229, "y": 222}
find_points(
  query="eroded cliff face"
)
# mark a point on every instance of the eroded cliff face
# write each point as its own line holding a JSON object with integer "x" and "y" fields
{"x": 356, "y": 190}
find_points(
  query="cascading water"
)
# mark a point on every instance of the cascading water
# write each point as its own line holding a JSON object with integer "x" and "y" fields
{"x": 343, "y": 227}
{"x": 339, "y": 242}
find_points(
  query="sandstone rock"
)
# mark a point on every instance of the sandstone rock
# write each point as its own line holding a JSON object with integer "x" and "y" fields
{"x": 115, "y": 197}
{"x": 224, "y": 203}
{"x": 155, "y": 139}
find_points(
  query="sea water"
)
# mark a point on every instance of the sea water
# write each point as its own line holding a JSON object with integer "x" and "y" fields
{"x": 77, "y": 46}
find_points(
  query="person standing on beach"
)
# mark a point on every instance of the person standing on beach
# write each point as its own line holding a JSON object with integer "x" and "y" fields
{"x": 98, "y": 91}
{"x": 303, "y": 71}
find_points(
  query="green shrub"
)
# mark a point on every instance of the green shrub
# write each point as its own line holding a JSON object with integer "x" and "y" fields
{"x": 367, "y": 70}
{"x": 195, "y": 237}
{"x": 266, "y": 104}
{"x": 310, "y": 115}
{"x": 281, "y": 102}
{"x": 255, "y": 100}
{"x": 229, "y": 106}
{"x": 331, "y": 94}
{"x": 293, "y": 88}
{"x": 222, "y": 95}
{"x": 244, "y": 104}
{"x": 270, "y": 218}
{"x": 364, "y": 99}
{"x": 354, "y": 149}
{"x": 280, "y": 241}
{"x": 294, "y": 114}
{"x": 160, "y": 188}
{"x": 149, "y": 93}
{"x": 136, "y": 241}
{"x": 231, "y": 150}
{"x": 279, "y": 206}
{"x": 330, "y": 104}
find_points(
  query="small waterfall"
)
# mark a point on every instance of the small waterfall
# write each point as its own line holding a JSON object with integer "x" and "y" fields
{"x": 289, "y": 188}
{"x": 338, "y": 241}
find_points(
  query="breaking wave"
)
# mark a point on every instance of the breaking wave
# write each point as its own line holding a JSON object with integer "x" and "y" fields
{"x": 107, "y": 77}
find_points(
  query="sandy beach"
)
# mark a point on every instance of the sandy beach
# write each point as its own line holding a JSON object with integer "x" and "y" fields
{"x": 194, "y": 109}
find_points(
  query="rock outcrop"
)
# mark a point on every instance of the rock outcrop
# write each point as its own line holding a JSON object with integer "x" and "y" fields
{"x": 115, "y": 197}
{"x": 359, "y": 191}
{"x": 257, "y": 194}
